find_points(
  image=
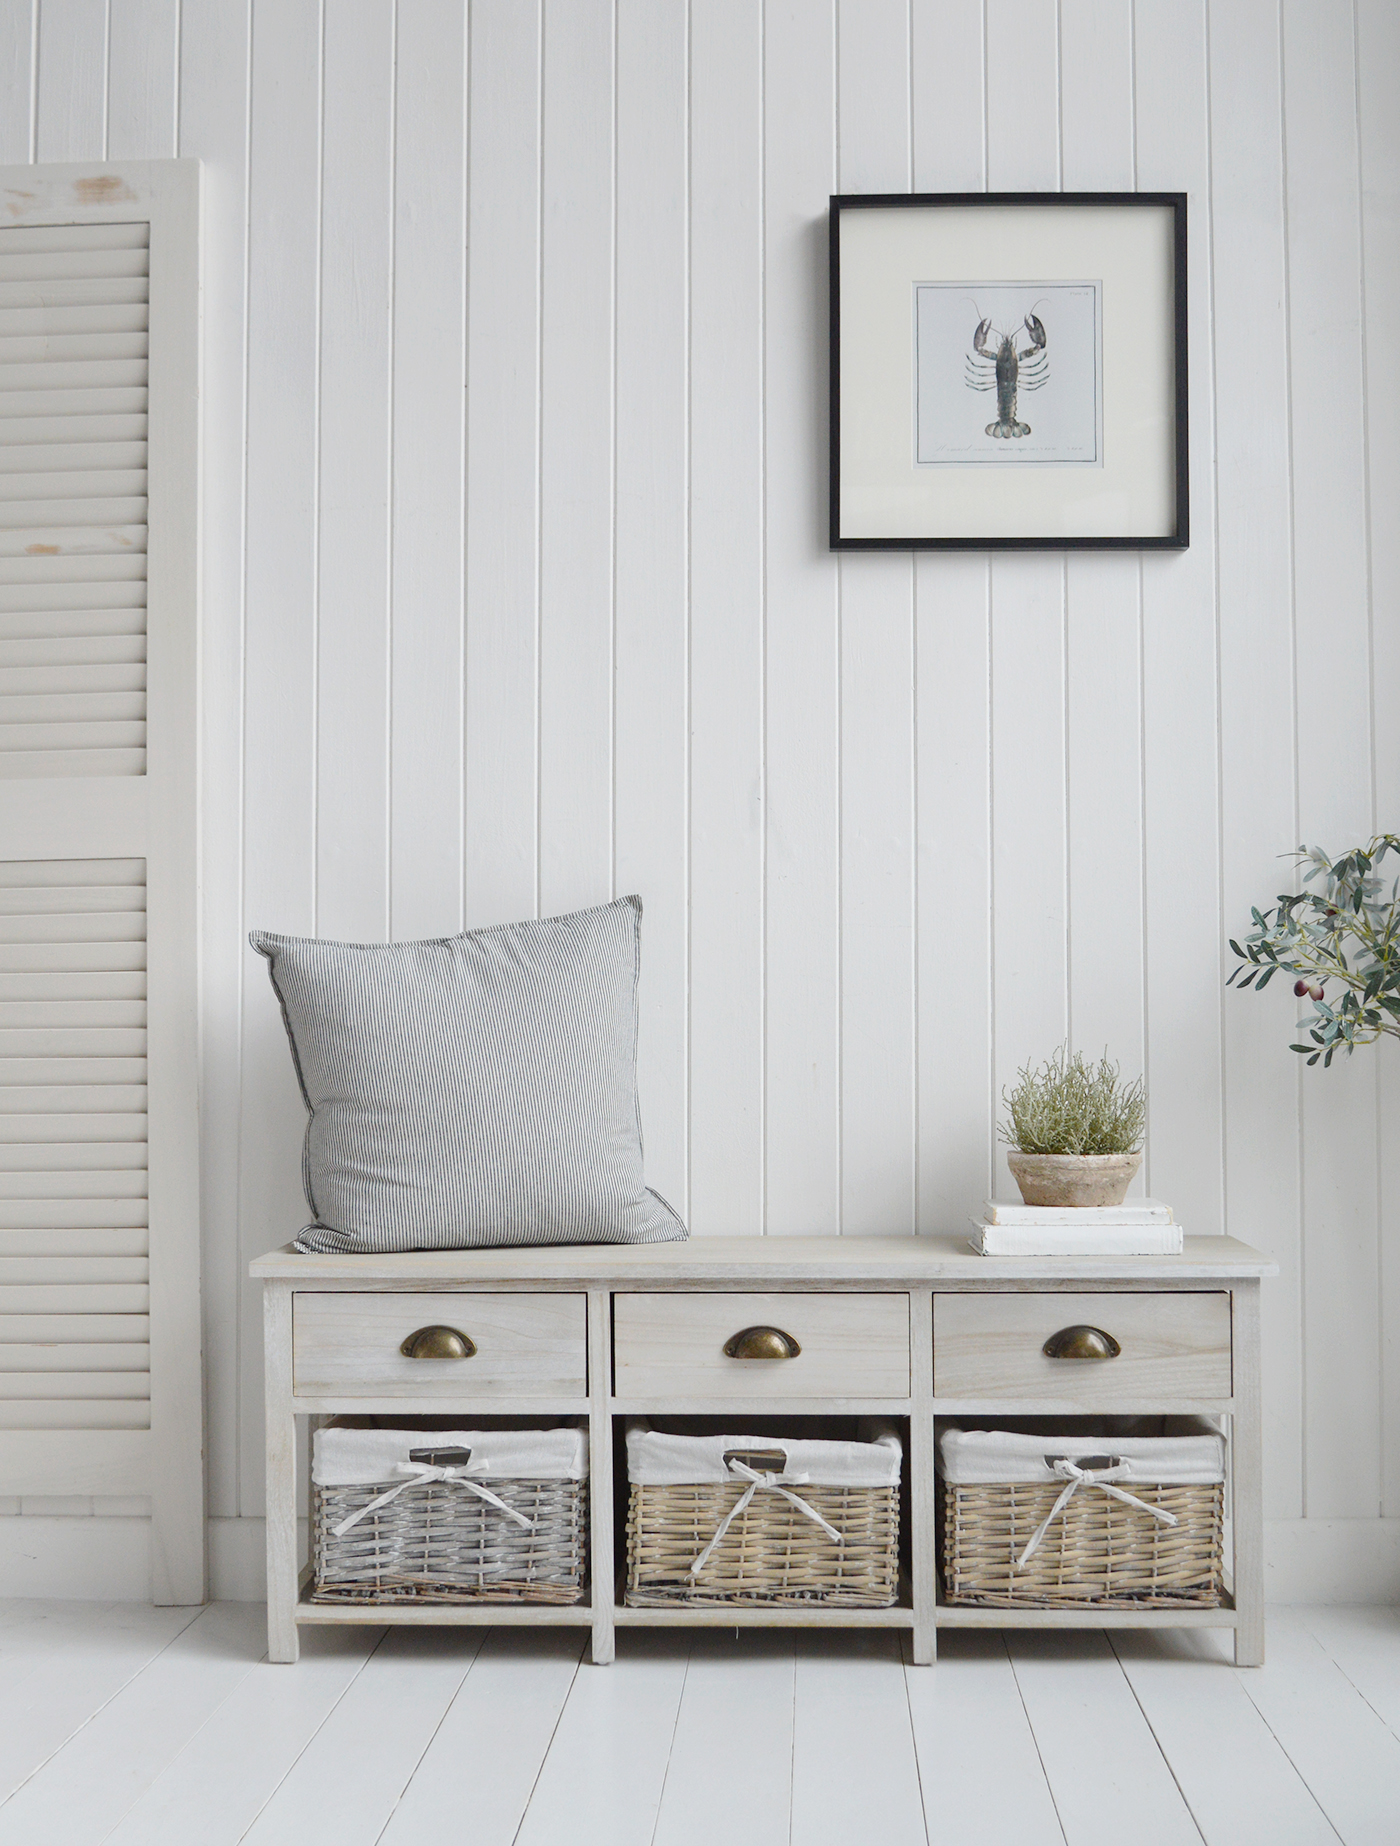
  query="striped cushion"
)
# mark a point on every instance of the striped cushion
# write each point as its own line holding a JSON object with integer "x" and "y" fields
{"x": 474, "y": 1091}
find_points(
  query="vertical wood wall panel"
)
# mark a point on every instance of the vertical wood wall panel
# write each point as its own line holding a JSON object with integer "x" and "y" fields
{"x": 1258, "y": 816}
{"x": 1103, "y": 716}
{"x": 71, "y": 84}
{"x": 214, "y": 87}
{"x": 878, "y": 1142}
{"x": 142, "y": 82}
{"x": 1030, "y": 938}
{"x": 726, "y": 618}
{"x": 946, "y": 118}
{"x": 1378, "y": 59}
{"x": 1183, "y": 919}
{"x": 17, "y": 27}
{"x": 576, "y": 458}
{"x": 352, "y": 661}
{"x": 279, "y": 803}
{"x": 503, "y": 416}
{"x": 428, "y": 362}
{"x": 957, "y": 1107}
{"x": 1334, "y": 731}
{"x": 653, "y": 719}
{"x": 801, "y": 937}
{"x": 511, "y": 621}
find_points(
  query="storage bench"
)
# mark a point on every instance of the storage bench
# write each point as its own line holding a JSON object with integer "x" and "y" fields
{"x": 901, "y": 1328}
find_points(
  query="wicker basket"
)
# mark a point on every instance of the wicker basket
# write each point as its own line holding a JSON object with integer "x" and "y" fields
{"x": 439, "y": 1541}
{"x": 1097, "y": 1549}
{"x": 773, "y": 1551}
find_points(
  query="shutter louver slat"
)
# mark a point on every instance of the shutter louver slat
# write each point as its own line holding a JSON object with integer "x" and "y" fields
{"x": 97, "y": 1356}
{"x": 74, "y": 348}
{"x": 73, "y": 1152}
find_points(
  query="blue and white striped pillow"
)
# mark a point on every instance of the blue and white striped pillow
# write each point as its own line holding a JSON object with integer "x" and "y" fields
{"x": 473, "y": 1091}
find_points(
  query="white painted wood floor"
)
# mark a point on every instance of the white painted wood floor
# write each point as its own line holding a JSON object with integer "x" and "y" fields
{"x": 129, "y": 1724}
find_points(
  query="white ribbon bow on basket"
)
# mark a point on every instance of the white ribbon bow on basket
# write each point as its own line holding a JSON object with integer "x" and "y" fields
{"x": 761, "y": 1483}
{"x": 1074, "y": 1478}
{"x": 424, "y": 1471}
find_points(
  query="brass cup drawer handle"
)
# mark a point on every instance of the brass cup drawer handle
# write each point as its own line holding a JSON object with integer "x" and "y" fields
{"x": 438, "y": 1343}
{"x": 761, "y": 1343}
{"x": 1081, "y": 1343}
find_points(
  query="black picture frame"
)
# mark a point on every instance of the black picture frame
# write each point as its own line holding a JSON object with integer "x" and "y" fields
{"x": 1171, "y": 463}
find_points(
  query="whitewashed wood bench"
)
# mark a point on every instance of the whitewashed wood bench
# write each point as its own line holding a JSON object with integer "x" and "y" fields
{"x": 907, "y": 1327}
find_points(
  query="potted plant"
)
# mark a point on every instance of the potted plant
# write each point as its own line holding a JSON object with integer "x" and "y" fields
{"x": 1346, "y": 932}
{"x": 1075, "y": 1131}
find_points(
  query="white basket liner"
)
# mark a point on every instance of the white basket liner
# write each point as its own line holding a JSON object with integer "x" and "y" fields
{"x": 998, "y": 1457}
{"x": 366, "y": 1457}
{"x": 657, "y": 1460}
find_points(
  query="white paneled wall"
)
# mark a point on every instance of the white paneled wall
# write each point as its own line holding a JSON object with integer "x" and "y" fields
{"x": 518, "y": 596}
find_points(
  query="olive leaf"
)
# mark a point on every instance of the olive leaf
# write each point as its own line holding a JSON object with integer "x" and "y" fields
{"x": 1346, "y": 932}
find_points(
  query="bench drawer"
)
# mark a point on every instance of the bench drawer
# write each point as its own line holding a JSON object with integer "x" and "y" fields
{"x": 1171, "y": 1346}
{"x": 350, "y": 1345}
{"x": 672, "y": 1346}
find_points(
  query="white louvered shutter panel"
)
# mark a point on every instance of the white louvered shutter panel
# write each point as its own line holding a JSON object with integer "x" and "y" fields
{"x": 99, "y": 1228}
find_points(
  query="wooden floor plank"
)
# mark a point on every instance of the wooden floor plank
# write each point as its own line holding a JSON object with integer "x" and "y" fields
{"x": 349, "y": 1779}
{"x": 737, "y": 1708}
{"x": 214, "y": 1789}
{"x": 981, "y": 1772}
{"x": 1240, "y": 1786}
{"x": 83, "y": 1790}
{"x": 1100, "y": 1756}
{"x": 854, "y": 1772}
{"x": 42, "y": 1706}
{"x": 1365, "y": 1644}
{"x": 1349, "y": 1759}
{"x": 493, "y": 1740}
{"x": 601, "y": 1782}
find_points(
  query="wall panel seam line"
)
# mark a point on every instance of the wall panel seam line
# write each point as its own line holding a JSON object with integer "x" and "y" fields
{"x": 540, "y": 19}
{"x": 1365, "y": 417}
{"x": 390, "y": 469}
{"x": 240, "y": 985}
{"x": 988, "y": 618}
{"x": 1060, "y": 150}
{"x": 687, "y": 769}
{"x": 915, "y": 1116}
{"x": 915, "y": 1148}
{"x": 1143, "y": 911}
{"x": 612, "y": 469}
{"x": 33, "y": 81}
{"x": 838, "y": 718}
{"x": 763, "y": 619}
{"x": 909, "y": 105}
{"x": 1067, "y": 863}
{"x": 107, "y": 80}
{"x": 1217, "y": 714}
{"x": 315, "y": 739}
{"x": 1371, "y": 703}
{"x": 986, "y": 132}
{"x": 463, "y": 794}
{"x": 1300, "y": 1152}
{"x": 464, "y": 275}
{"x": 1133, "y": 101}
{"x": 176, "y": 92}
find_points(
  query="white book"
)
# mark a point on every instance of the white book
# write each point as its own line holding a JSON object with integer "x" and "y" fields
{"x": 1076, "y": 1239}
{"x": 1132, "y": 1211}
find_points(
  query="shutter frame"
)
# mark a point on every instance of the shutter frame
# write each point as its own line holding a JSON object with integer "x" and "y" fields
{"x": 124, "y": 815}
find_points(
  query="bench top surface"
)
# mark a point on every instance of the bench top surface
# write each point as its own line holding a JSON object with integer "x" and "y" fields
{"x": 766, "y": 1260}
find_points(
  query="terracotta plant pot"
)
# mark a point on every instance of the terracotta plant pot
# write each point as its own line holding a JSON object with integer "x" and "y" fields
{"x": 1073, "y": 1179}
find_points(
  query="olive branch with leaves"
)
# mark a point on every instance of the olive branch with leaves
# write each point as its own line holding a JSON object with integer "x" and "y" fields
{"x": 1346, "y": 932}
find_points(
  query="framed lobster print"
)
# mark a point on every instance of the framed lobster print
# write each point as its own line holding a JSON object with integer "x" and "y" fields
{"x": 1008, "y": 371}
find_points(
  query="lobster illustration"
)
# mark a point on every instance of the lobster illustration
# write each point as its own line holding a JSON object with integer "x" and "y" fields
{"x": 995, "y": 365}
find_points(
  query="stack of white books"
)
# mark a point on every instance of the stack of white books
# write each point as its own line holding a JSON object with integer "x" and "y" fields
{"x": 1141, "y": 1227}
